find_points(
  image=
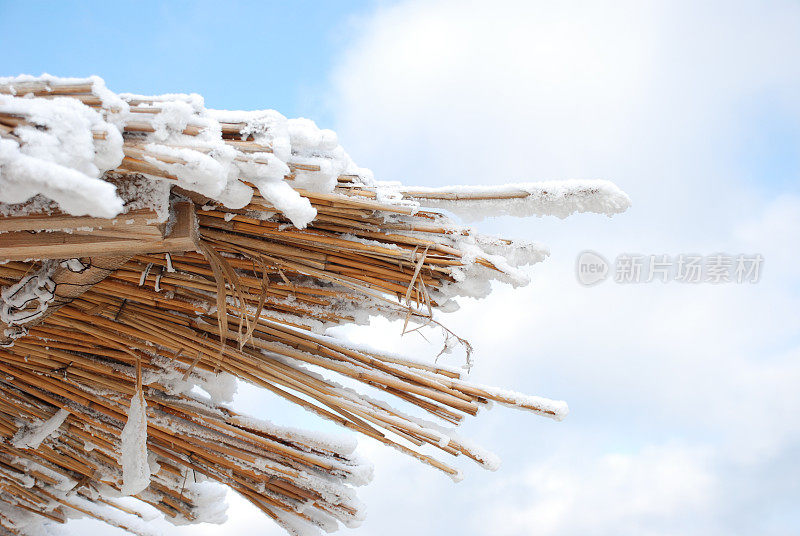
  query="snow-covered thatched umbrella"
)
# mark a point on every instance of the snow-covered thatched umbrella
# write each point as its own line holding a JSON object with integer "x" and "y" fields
{"x": 151, "y": 246}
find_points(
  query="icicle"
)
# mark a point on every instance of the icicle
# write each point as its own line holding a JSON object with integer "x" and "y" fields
{"x": 170, "y": 268}
{"x": 32, "y": 437}
{"x": 135, "y": 467}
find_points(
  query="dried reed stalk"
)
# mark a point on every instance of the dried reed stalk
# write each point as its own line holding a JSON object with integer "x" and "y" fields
{"x": 251, "y": 303}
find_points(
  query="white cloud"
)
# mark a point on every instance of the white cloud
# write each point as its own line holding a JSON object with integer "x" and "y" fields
{"x": 682, "y": 396}
{"x": 615, "y": 494}
{"x": 682, "y": 407}
{"x": 649, "y": 94}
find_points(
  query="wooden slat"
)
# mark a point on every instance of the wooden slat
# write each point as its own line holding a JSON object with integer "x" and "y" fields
{"x": 22, "y": 245}
{"x": 57, "y": 222}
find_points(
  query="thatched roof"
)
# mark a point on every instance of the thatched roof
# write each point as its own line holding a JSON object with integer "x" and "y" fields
{"x": 155, "y": 247}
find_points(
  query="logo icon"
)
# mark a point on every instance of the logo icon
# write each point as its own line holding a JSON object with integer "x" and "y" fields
{"x": 591, "y": 268}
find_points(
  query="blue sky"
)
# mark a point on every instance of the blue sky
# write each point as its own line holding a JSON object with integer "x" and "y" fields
{"x": 285, "y": 51}
{"x": 683, "y": 399}
{"x": 239, "y": 55}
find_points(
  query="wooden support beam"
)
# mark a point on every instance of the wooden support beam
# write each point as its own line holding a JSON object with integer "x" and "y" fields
{"x": 136, "y": 219}
{"x": 109, "y": 239}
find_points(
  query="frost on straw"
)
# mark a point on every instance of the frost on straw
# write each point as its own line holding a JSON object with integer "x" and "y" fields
{"x": 118, "y": 396}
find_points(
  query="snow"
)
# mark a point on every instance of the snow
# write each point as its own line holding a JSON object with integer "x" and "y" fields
{"x": 16, "y": 299}
{"x": 515, "y": 252}
{"x": 174, "y": 116}
{"x": 170, "y": 268}
{"x": 289, "y": 202}
{"x": 343, "y": 445}
{"x": 112, "y": 516}
{"x": 295, "y": 525}
{"x": 547, "y": 198}
{"x": 32, "y": 437}
{"x": 221, "y": 387}
{"x": 196, "y": 171}
{"x": 23, "y": 176}
{"x": 554, "y": 409}
{"x": 61, "y": 161}
{"x": 58, "y": 157}
{"x": 209, "y": 500}
{"x": 26, "y": 522}
{"x": 488, "y": 460}
{"x": 73, "y": 265}
{"x": 458, "y": 476}
{"x": 25, "y": 82}
{"x": 135, "y": 466}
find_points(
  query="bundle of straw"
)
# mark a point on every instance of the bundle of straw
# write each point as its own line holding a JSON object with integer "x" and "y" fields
{"x": 252, "y": 303}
